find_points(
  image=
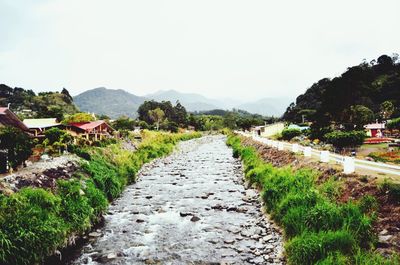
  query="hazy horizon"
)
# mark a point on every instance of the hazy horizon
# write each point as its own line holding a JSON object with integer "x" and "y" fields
{"x": 242, "y": 50}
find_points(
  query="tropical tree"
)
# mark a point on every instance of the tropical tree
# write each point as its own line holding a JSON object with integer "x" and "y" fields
{"x": 386, "y": 109}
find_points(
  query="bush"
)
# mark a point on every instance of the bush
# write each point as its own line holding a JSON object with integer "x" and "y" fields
{"x": 341, "y": 139}
{"x": 288, "y": 134}
{"x": 393, "y": 189}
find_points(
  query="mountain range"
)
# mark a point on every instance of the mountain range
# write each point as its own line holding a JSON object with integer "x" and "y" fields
{"x": 115, "y": 103}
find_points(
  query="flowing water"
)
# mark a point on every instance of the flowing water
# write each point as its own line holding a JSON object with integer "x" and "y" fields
{"x": 191, "y": 207}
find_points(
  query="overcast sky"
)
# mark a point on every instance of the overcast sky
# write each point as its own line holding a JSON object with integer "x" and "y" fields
{"x": 240, "y": 49}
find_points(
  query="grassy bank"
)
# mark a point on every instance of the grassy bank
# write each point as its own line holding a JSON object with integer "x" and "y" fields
{"x": 318, "y": 230}
{"x": 35, "y": 222}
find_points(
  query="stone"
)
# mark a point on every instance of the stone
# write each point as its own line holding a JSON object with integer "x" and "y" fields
{"x": 184, "y": 214}
{"x": 229, "y": 241}
{"x": 139, "y": 221}
{"x": 94, "y": 234}
{"x": 195, "y": 219}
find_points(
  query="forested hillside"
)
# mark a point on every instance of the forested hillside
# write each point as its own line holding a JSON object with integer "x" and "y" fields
{"x": 26, "y": 104}
{"x": 362, "y": 94}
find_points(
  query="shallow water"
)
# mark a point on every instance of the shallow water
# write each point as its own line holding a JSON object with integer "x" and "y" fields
{"x": 189, "y": 208}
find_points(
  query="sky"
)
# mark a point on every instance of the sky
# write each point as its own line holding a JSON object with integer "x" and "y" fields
{"x": 242, "y": 49}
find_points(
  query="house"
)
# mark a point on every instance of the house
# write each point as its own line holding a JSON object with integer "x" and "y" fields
{"x": 375, "y": 129}
{"x": 268, "y": 130}
{"x": 8, "y": 118}
{"x": 94, "y": 130}
{"x": 38, "y": 126}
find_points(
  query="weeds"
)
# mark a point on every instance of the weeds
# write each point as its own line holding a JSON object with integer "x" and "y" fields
{"x": 318, "y": 229}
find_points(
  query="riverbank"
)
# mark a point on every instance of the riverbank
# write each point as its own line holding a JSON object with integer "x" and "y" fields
{"x": 318, "y": 225}
{"x": 37, "y": 222}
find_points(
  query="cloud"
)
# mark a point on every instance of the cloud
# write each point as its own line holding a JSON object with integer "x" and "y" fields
{"x": 245, "y": 49}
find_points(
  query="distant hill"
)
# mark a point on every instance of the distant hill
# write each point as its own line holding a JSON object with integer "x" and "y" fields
{"x": 267, "y": 106}
{"x": 362, "y": 94}
{"x": 191, "y": 101}
{"x": 115, "y": 103}
{"x": 111, "y": 102}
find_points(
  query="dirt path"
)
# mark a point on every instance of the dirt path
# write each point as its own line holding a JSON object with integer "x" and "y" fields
{"x": 189, "y": 208}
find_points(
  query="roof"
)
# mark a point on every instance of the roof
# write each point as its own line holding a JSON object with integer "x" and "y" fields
{"x": 375, "y": 126}
{"x": 87, "y": 126}
{"x": 41, "y": 123}
{"x": 8, "y": 118}
{"x": 297, "y": 127}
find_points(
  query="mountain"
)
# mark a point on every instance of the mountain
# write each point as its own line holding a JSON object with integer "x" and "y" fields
{"x": 191, "y": 101}
{"x": 115, "y": 103}
{"x": 267, "y": 106}
{"x": 111, "y": 102}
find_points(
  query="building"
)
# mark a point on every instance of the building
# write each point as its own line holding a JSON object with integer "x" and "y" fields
{"x": 95, "y": 130}
{"x": 375, "y": 129}
{"x": 38, "y": 126}
{"x": 268, "y": 130}
{"x": 8, "y": 118}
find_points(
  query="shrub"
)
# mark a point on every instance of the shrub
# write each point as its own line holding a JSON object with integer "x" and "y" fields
{"x": 17, "y": 143}
{"x": 341, "y": 139}
{"x": 288, "y": 134}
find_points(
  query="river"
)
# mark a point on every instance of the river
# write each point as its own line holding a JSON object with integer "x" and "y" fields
{"x": 191, "y": 207}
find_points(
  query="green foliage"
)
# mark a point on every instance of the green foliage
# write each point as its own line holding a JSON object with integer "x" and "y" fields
{"x": 394, "y": 124}
{"x": 309, "y": 248}
{"x": 78, "y": 117}
{"x": 362, "y": 92}
{"x": 176, "y": 114}
{"x": 35, "y": 222}
{"x": 124, "y": 123}
{"x": 318, "y": 228}
{"x": 288, "y": 134}
{"x": 17, "y": 143}
{"x": 341, "y": 139}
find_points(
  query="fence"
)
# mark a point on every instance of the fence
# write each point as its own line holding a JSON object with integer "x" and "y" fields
{"x": 350, "y": 164}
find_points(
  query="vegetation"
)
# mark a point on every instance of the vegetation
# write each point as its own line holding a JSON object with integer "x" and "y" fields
{"x": 318, "y": 230}
{"x": 360, "y": 95}
{"x": 289, "y": 134}
{"x": 17, "y": 143}
{"x": 78, "y": 117}
{"x": 157, "y": 116}
{"x": 340, "y": 139}
{"x": 176, "y": 114}
{"x": 57, "y": 140}
{"x": 29, "y": 105}
{"x": 35, "y": 222}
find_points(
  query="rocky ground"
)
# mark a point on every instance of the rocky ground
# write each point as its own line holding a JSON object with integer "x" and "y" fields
{"x": 354, "y": 187}
{"x": 40, "y": 174}
{"x": 189, "y": 208}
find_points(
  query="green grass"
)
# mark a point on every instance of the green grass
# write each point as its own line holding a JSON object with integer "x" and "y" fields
{"x": 317, "y": 228}
{"x": 35, "y": 222}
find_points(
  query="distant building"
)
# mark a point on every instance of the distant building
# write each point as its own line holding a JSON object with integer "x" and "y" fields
{"x": 375, "y": 129}
{"x": 297, "y": 127}
{"x": 268, "y": 130}
{"x": 8, "y": 118}
{"x": 95, "y": 130}
{"x": 38, "y": 126}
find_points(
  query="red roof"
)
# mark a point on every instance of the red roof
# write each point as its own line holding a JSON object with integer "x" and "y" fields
{"x": 8, "y": 118}
{"x": 87, "y": 126}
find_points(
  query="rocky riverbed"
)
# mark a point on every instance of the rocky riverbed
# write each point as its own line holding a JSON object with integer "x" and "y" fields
{"x": 189, "y": 208}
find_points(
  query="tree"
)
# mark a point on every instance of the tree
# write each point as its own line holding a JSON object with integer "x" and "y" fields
{"x": 289, "y": 134}
{"x": 124, "y": 123}
{"x": 78, "y": 117}
{"x": 341, "y": 139}
{"x": 17, "y": 143}
{"x": 386, "y": 109}
{"x": 57, "y": 138}
{"x": 157, "y": 115}
{"x": 359, "y": 116}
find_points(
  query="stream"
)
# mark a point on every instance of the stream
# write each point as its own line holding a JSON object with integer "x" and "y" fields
{"x": 191, "y": 207}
